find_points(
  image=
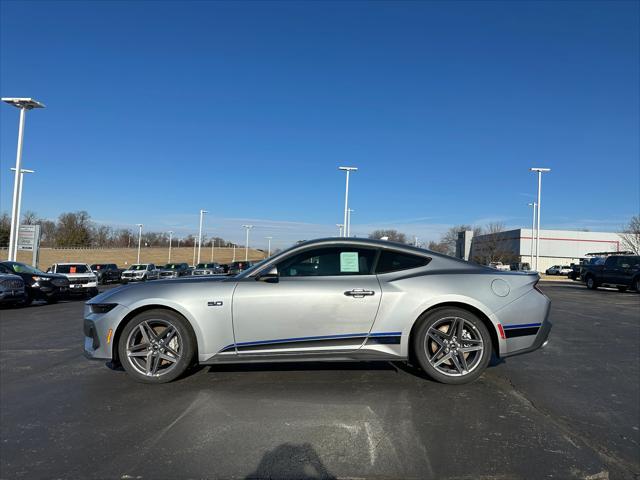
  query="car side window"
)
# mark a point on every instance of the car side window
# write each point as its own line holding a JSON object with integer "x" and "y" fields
{"x": 328, "y": 261}
{"x": 624, "y": 262}
{"x": 391, "y": 261}
{"x": 611, "y": 261}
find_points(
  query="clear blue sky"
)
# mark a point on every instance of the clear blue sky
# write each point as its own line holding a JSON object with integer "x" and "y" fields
{"x": 157, "y": 109}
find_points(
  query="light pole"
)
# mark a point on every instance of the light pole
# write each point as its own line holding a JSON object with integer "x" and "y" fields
{"x": 339, "y": 225}
{"x": 346, "y": 199}
{"x": 234, "y": 253}
{"x": 213, "y": 243}
{"x": 269, "y": 247}
{"x": 139, "y": 225}
{"x": 202, "y": 214}
{"x": 533, "y": 226}
{"x": 540, "y": 171}
{"x": 170, "y": 238}
{"x": 21, "y": 181}
{"x": 23, "y": 104}
{"x": 415, "y": 241}
{"x": 349, "y": 212}
{"x": 246, "y": 244}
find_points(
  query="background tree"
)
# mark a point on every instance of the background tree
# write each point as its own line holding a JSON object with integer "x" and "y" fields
{"x": 5, "y": 229}
{"x": 438, "y": 247}
{"x": 394, "y": 235}
{"x": 448, "y": 241}
{"x": 74, "y": 229}
{"x": 631, "y": 235}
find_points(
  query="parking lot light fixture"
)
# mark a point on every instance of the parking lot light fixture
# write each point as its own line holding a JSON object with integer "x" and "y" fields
{"x": 533, "y": 226}
{"x": 202, "y": 214}
{"x": 346, "y": 198}
{"x": 539, "y": 171}
{"x": 246, "y": 244}
{"x": 349, "y": 212}
{"x": 21, "y": 182}
{"x": 213, "y": 244}
{"x": 23, "y": 104}
{"x": 339, "y": 225}
{"x": 269, "y": 247}
{"x": 139, "y": 225}
{"x": 170, "y": 238}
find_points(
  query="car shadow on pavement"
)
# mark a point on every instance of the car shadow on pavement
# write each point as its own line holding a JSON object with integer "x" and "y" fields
{"x": 291, "y": 461}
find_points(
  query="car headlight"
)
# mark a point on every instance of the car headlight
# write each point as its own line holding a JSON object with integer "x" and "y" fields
{"x": 41, "y": 279}
{"x": 102, "y": 307}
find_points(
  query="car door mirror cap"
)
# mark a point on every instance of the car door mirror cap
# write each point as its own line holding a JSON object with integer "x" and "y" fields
{"x": 269, "y": 275}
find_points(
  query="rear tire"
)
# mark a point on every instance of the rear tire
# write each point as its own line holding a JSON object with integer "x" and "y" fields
{"x": 591, "y": 283}
{"x": 622, "y": 289}
{"x": 156, "y": 346}
{"x": 452, "y": 345}
{"x": 636, "y": 285}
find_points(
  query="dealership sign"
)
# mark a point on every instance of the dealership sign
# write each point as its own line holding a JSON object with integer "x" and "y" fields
{"x": 29, "y": 240}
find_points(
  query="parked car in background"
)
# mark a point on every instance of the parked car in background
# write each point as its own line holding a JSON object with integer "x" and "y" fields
{"x": 81, "y": 279}
{"x": 520, "y": 267}
{"x": 500, "y": 266}
{"x": 175, "y": 270}
{"x": 38, "y": 284}
{"x": 558, "y": 270}
{"x": 324, "y": 300}
{"x": 620, "y": 271}
{"x": 140, "y": 272}
{"x": 208, "y": 269}
{"x": 12, "y": 291}
{"x": 237, "y": 267}
{"x": 106, "y": 272}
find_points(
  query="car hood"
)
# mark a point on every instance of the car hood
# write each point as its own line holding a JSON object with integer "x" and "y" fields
{"x": 127, "y": 294}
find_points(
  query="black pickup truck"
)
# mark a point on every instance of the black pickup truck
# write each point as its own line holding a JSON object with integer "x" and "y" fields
{"x": 621, "y": 271}
{"x": 106, "y": 272}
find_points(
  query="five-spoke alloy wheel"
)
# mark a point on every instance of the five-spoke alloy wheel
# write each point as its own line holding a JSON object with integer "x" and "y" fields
{"x": 156, "y": 346}
{"x": 452, "y": 345}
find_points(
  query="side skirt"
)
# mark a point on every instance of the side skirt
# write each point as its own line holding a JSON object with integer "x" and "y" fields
{"x": 356, "y": 356}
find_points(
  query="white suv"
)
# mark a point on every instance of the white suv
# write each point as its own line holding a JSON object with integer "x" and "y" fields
{"x": 140, "y": 272}
{"x": 81, "y": 278}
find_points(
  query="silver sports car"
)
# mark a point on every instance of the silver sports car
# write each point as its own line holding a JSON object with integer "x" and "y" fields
{"x": 328, "y": 299}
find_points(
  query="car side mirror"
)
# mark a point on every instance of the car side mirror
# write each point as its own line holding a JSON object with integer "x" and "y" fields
{"x": 269, "y": 276}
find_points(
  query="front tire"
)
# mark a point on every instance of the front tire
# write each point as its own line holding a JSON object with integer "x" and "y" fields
{"x": 452, "y": 345}
{"x": 157, "y": 346}
{"x": 591, "y": 283}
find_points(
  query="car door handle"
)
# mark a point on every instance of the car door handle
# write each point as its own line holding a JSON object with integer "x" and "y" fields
{"x": 359, "y": 293}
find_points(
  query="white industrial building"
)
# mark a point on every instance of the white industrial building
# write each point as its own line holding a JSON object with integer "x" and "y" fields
{"x": 557, "y": 247}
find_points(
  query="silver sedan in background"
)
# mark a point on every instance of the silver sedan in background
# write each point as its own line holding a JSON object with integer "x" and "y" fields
{"x": 328, "y": 299}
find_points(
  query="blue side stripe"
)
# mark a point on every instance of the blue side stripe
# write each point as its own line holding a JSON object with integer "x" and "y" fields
{"x": 310, "y": 339}
{"x": 524, "y": 325}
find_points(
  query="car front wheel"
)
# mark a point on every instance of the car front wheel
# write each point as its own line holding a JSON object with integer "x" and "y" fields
{"x": 452, "y": 345}
{"x": 157, "y": 346}
{"x": 591, "y": 283}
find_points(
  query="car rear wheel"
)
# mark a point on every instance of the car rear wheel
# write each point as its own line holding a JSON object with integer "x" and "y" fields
{"x": 591, "y": 283}
{"x": 622, "y": 289}
{"x": 452, "y": 345}
{"x": 636, "y": 285}
{"x": 157, "y": 346}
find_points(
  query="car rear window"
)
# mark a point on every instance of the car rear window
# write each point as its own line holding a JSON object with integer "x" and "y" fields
{"x": 79, "y": 268}
{"x": 391, "y": 261}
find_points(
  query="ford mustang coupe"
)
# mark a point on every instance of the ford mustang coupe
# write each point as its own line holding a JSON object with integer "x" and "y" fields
{"x": 328, "y": 299}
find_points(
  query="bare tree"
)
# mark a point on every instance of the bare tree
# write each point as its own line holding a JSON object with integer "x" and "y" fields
{"x": 438, "y": 247}
{"x": 393, "y": 235}
{"x": 74, "y": 229}
{"x": 450, "y": 238}
{"x": 631, "y": 235}
{"x": 492, "y": 246}
{"x": 5, "y": 229}
{"x": 30, "y": 218}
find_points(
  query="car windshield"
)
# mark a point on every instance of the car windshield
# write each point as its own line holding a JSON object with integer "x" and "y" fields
{"x": 73, "y": 268}
{"x": 172, "y": 266}
{"x": 96, "y": 266}
{"x": 22, "y": 268}
{"x": 138, "y": 267}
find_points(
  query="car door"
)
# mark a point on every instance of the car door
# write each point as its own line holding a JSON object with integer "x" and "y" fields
{"x": 610, "y": 270}
{"x": 324, "y": 299}
{"x": 625, "y": 270}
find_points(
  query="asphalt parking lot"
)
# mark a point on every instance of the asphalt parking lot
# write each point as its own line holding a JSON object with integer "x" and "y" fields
{"x": 571, "y": 410}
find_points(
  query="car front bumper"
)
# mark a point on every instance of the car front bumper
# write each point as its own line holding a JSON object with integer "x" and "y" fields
{"x": 98, "y": 341}
{"x": 8, "y": 296}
